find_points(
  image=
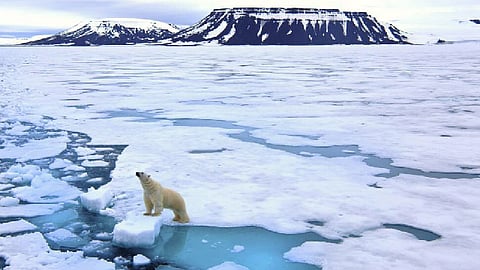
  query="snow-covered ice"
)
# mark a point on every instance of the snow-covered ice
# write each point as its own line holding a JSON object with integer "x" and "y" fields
{"x": 137, "y": 231}
{"x": 228, "y": 266}
{"x": 44, "y": 188}
{"x": 65, "y": 239}
{"x": 96, "y": 199}
{"x": 276, "y": 111}
{"x": 9, "y": 201}
{"x": 31, "y": 251}
{"x": 139, "y": 260}
{"x": 16, "y": 226}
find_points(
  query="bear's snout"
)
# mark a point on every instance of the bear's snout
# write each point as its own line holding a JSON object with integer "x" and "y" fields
{"x": 138, "y": 174}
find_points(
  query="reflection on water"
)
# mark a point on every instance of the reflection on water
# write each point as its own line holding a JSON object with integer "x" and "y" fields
{"x": 201, "y": 247}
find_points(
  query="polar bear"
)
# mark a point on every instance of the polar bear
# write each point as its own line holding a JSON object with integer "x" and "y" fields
{"x": 157, "y": 197}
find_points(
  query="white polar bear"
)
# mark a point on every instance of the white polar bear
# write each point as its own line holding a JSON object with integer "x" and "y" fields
{"x": 157, "y": 197}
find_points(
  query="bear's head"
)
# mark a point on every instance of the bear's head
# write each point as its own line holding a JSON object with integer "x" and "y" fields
{"x": 142, "y": 176}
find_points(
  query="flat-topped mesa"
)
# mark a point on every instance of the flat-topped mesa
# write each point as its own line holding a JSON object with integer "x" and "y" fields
{"x": 289, "y": 26}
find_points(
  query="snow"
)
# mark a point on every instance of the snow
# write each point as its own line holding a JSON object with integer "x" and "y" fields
{"x": 99, "y": 24}
{"x": 137, "y": 231}
{"x": 415, "y": 105}
{"x": 96, "y": 199}
{"x": 16, "y": 227}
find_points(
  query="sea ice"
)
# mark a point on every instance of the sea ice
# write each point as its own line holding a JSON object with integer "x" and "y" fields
{"x": 60, "y": 164}
{"x": 137, "y": 231}
{"x": 9, "y": 201}
{"x": 228, "y": 266}
{"x": 237, "y": 248}
{"x": 94, "y": 163}
{"x": 366, "y": 96}
{"x": 139, "y": 260}
{"x": 74, "y": 168}
{"x": 96, "y": 199}
{"x": 5, "y": 186}
{"x": 63, "y": 238}
{"x": 20, "y": 174}
{"x": 44, "y": 188}
{"x": 35, "y": 149}
{"x": 29, "y": 210}
{"x": 16, "y": 226}
{"x": 31, "y": 251}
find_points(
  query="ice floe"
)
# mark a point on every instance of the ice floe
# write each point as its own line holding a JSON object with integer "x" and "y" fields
{"x": 9, "y": 201}
{"x": 137, "y": 231}
{"x": 140, "y": 260}
{"x": 63, "y": 238}
{"x": 96, "y": 199}
{"x": 31, "y": 251}
{"x": 44, "y": 188}
{"x": 16, "y": 227}
{"x": 228, "y": 266}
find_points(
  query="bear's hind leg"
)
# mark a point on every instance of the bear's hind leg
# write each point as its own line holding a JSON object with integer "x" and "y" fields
{"x": 181, "y": 217}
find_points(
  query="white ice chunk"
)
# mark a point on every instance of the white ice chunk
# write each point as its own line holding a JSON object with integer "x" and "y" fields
{"x": 95, "y": 180}
{"x": 137, "y": 231}
{"x": 5, "y": 186}
{"x": 91, "y": 157}
{"x": 20, "y": 174}
{"x": 96, "y": 200}
{"x": 46, "y": 189}
{"x": 74, "y": 168}
{"x": 95, "y": 163}
{"x": 9, "y": 201}
{"x": 31, "y": 251}
{"x": 228, "y": 266}
{"x": 83, "y": 151}
{"x": 60, "y": 163}
{"x": 237, "y": 249}
{"x": 65, "y": 238}
{"x": 35, "y": 149}
{"x": 139, "y": 260}
{"x": 16, "y": 227}
{"x": 29, "y": 210}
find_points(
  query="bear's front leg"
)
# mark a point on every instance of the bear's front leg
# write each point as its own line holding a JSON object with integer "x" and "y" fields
{"x": 158, "y": 208}
{"x": 148, "y": 205}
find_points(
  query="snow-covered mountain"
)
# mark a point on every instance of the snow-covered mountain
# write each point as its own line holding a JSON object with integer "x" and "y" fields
{"x": 289, "y": 26}
{"x": 113, "y": 31}
{"x": 477, "y": 21}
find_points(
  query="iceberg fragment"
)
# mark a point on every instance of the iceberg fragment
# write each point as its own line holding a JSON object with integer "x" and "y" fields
{"x": 96, "y": 199}
{"x": 137, "y": 231}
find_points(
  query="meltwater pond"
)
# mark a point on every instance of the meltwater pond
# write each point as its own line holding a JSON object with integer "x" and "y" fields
{"x": 201, "y": 247}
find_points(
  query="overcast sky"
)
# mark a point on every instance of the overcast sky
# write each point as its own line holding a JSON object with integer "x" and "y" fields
{"x": 37, "y": 16}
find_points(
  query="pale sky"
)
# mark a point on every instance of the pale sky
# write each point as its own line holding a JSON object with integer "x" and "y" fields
{"x": 50, "y": 16}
